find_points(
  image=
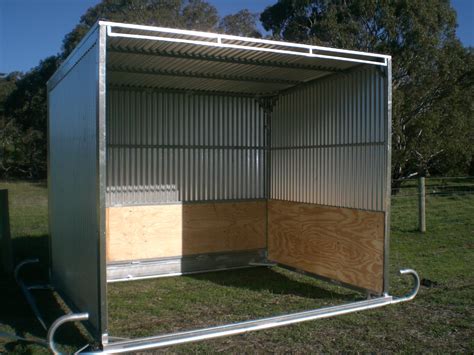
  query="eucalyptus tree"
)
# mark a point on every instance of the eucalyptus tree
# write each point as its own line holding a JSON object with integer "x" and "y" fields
{"x": 432, "y": 72}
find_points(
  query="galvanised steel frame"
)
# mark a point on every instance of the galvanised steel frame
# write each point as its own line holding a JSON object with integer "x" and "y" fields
{"x": 96, "y": 39}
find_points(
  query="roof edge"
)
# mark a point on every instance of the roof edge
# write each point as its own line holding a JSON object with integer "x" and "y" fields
{"x": 219, "y": 37}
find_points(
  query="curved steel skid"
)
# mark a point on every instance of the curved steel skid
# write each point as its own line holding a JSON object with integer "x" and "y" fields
{"x": 152, "y": 342}
{"x": 26, "y": 290}
{"x": 72, "y": 317}
{"x": 146, "y": 343}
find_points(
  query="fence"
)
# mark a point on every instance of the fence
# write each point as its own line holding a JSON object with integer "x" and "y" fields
{"x": 422, "y": 188}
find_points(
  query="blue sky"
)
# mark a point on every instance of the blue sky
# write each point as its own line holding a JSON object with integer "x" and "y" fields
{"x": 31, "y": 30}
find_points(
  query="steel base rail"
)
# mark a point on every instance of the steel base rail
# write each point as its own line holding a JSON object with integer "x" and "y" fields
{"x": 265, "y": 323}
{"x": 72, "y": 317}
{"x": 26, "y": 290}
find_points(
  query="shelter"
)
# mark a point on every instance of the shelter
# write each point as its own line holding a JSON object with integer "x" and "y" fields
{"x": 175, "y": 151}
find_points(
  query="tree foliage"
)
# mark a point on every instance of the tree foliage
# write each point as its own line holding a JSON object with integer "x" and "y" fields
{"x": 432, "y": 72}
{"x": 23, "y": 101}
{"x": 191, "y": 14}
{"x": 242, "y": 23}
{"x": 23, "y": 136}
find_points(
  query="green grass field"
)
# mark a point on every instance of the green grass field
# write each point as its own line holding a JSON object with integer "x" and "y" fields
{"x": 440, "y": 319}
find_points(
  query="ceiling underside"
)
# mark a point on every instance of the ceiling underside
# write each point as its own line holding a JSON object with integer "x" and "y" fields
{"x": 137, "y": 62}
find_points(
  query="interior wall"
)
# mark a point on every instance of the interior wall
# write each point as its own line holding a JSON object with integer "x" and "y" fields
{"x": 329, "y": 148}
{"x": 182, "y": 169}
{"x": 328, "y": 142}
{"x": 168, "y": 147}
{"x": 341, "y": 244}
{"x": 164, "y": 231}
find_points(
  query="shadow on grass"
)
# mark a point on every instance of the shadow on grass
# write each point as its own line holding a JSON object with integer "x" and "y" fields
{"x": 274, "y": 281}
{"x": 408, "y": 230}
{"x": 16, "y": 315}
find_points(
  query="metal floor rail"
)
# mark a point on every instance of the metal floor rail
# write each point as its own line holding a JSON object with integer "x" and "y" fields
{"x": 153, "y": 342}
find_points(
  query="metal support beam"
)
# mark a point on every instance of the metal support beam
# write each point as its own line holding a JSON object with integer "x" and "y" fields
{"x": 176, "y": 73}
{"x": 203, "y": 57}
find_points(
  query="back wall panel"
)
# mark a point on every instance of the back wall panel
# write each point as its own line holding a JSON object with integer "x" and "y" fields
{"x": 151, "y": 232}
{"x": 167, "y": 147}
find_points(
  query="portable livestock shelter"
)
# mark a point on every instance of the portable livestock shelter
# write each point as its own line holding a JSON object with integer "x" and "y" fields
{"x": 175, "y": 151}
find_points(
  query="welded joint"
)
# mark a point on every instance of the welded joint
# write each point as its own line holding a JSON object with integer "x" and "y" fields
{"x": 72, "y": 317}
{"x": 267, "y": 103}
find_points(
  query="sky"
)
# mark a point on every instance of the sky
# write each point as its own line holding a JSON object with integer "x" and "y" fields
{"x": 31, "y": 30}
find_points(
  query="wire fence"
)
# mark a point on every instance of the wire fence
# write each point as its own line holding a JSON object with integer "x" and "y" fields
{"x": 422, "y": 189}
{"x": 439, "y": 186}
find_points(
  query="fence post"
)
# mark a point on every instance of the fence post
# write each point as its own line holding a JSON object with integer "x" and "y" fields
{"x": 422, "y": 204}
{"x": 5, "y": 237}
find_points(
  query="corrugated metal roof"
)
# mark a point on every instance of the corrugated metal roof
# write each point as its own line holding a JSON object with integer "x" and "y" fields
{"x": 178, "y": 59}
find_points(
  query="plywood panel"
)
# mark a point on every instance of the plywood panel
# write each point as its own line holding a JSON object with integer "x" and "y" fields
{"x": 144, "y": 232}
{"x": 339, "y": 243}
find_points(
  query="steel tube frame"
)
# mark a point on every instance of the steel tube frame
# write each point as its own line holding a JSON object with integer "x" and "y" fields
{"x": 26, "y": 290}
{"x": 72, "y": 317}
{"x": 260, "y": 324}
{"x": 219, "y": 40}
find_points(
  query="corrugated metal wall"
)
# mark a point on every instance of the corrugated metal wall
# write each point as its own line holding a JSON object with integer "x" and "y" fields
{"x": 328, "y": 145}
{"x": 73, "y": 189}
{"x": 328, "y": 142}
{"x": 166, "y": 147}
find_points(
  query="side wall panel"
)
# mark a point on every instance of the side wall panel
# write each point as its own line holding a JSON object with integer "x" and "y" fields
{"x": 341, "y": 244}
{"x": 328, "y": 142}
{"x": 329, "y": 148}
{"x": 73, "y": 188}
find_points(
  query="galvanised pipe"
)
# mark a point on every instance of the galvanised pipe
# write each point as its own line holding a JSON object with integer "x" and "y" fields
{"x": 265, "y": 323}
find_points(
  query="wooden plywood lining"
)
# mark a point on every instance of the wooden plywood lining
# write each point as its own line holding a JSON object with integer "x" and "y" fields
{"x": 148, "y": 232}
{"x": 338, "y": 243}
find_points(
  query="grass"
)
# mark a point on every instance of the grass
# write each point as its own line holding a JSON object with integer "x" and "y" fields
{"x": 440, "y": 319}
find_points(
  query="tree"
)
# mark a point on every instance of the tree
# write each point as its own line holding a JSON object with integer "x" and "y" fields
{"x": 8, "y": 129}
{"x": 23, "y": 126}
{"x": 242, "y": 23}
{"x": 190, "y": 14}
{"x": 199, "y": 15}
{"x": 25, "y": 116}
{"x": 429, "y": 67}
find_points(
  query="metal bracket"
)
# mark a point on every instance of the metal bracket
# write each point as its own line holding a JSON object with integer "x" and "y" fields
{"x": 267, "y": 103}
